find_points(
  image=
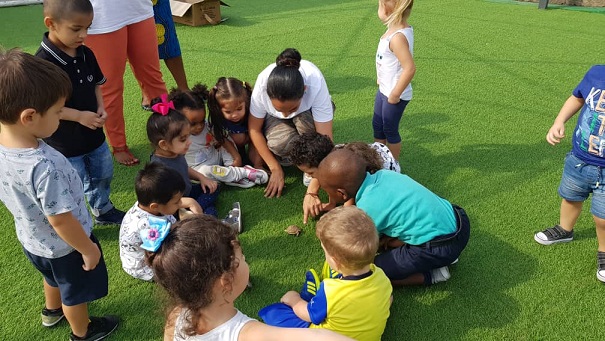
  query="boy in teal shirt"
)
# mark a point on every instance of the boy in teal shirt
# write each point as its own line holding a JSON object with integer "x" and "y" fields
{"x": 424, "y": 233}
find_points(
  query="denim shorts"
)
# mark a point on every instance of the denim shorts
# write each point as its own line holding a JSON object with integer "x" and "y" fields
{"x": 75, "y": 284}
{"x": 579, "y": 180}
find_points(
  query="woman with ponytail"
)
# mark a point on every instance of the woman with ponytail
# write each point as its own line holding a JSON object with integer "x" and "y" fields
{"x": 290, "y": 98}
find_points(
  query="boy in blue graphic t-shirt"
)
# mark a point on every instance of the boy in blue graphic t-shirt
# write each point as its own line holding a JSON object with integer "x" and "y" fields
{"x": 583, "y": 170}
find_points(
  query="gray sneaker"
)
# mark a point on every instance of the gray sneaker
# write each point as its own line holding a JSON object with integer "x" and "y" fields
{"x": 50, "y": 317}
{"x": 553, "y": 235}
{"x": 441, "y": 274}
{"x": 234, "y": 218}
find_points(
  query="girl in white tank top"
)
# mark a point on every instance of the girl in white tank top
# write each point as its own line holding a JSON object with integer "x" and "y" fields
{"x": 395, "y": 69}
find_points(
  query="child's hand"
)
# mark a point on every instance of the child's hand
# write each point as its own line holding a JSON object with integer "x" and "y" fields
{"x": 393, "y": 99}
{"x": 191, "y": 205}
{"x": 208, "y": 186}
{"x": 555, "y": 133}
{"x": 91, "y": 259}
{"x": 102, "y": 116}
{"x": 237, "y": 161}
{"x": 276, "y": 183}
{"x": 90, "y": 120}
{"x": 312, "y": 206}
{"x": 290, "y": 298}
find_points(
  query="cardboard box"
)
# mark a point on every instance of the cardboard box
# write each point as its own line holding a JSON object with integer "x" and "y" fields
{"x": 197, "y": 12}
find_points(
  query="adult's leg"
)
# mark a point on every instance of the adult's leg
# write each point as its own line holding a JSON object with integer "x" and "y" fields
{"x": 142, "y": 52}
{"x": 304, "y": 122}
{"x": 111, "y": 53}
{"x": 177, "y": 70}
{"x": 279, "y": 134}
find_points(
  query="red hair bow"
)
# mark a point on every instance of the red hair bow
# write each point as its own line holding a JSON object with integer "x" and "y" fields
{"x": 163, "y": 108}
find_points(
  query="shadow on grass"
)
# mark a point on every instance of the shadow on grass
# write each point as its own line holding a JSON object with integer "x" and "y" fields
{"x": 474, "y": 298}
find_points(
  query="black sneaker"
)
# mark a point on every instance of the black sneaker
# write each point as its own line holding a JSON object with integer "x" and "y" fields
{"x": 553, "y": 235}
{"x": 113, "y": 216}
{"x": 50, "y": 317}
{"x": 601, "y": 266}
{"x": 98, "y": 328}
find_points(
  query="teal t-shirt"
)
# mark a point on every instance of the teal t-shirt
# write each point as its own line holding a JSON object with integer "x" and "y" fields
{"x": 404, "y": 209}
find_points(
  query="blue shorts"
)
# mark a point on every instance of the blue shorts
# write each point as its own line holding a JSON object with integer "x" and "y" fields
{"x": 407, "y": 260}
{"x": 168, "y": 43}
{"x": 579, "y": 180}
{"x": 235, "y": 128}
{"x": 75, "y": 285}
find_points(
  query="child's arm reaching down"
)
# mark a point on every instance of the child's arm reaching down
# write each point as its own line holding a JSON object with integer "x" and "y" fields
{"x": 232, "y": 150}
{"x": 208, "y": 186}
{"x": 401, "y": 48}
{"x": 298, "y": 305}
{"x": 71, "y": 231}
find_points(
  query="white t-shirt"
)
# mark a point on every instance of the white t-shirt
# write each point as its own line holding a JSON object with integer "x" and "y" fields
{"x": 228, "y": 331}
{"x": 316, "y": 96}
{"x": 388, "y": 68}
{"x": 112, "y": 15}
{"x": 131, "y": 253}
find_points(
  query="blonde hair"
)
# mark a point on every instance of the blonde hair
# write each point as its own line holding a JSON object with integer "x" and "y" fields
{"x": 401, "y": 12}
{"x": 349, "y": 236}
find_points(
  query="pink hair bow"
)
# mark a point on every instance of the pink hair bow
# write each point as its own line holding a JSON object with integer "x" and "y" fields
{"x": 163, "y": 107}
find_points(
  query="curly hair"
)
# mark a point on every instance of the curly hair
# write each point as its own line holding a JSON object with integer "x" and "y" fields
{"x": 197, "y": 252}
{"x": 309, "y": 149}
{"x": 368, "y": 154}
{"x": 226, "y": 89}
{"x": 194, "y": 99}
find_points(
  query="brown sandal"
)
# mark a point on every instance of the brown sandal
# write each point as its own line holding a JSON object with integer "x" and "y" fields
{"x": 131, "y": 159}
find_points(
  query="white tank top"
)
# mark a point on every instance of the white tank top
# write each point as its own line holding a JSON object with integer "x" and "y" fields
{"x": 228, "y": 331}
{"x": 388, "y": 68}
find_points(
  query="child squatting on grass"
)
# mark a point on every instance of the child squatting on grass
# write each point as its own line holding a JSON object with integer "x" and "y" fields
{"x": 356, "y": 303}
{"x": 159, "y": 191}
{"x": 215, "y": 157}
{"x": 45, "y": 195}
{"x": 201, "y": 266}
{"x": 80, "y": 135}
{"x": 583, "y": 171}
{"x": 309, "y": 149}
{"x": 425, "y": 232}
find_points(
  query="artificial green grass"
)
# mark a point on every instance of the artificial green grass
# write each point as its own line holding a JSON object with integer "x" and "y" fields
{"x": 491, "y": 78}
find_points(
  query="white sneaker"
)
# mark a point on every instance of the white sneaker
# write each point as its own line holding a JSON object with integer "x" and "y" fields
{"x": 441, "y": 274}
{"x": 307, "y": 179}
{"x": 243, "y": 183}
{"x": 257, "y": 176}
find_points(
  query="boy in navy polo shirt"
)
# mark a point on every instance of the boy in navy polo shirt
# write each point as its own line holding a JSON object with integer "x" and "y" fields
{"x": 80, "y": 135}
{"x": 584, "y": 169}
{"x": 44, "y": 194}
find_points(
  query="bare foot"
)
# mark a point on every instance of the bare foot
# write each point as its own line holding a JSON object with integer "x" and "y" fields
{"x": 124, "y": 157}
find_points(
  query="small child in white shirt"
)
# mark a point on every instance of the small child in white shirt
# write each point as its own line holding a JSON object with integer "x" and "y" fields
{"x": 159, "y": 191}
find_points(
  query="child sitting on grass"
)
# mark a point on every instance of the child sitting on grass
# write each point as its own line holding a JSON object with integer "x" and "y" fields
{"x": 357, "y": 302}
{"x": 159, "y": 191}
{"x": 429, "y": 232}
{"x": 45, "y": 195}
{"x": 201, "y": 266}
{"x": 168, "y": 131}
{"x": 309, "y": 149}
{"x": 215, "y": 158}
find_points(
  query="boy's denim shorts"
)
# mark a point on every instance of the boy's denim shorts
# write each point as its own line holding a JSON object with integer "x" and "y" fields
{"x": 579, "y": 180}
{"x": 75, "y": 284}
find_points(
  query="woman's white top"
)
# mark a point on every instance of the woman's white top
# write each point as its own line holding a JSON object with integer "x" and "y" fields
{"x": 388, "y": 68}
{"x": 316, "y": 96}
{"x": 112, "y": 15}
{"x": 228, "y": 331}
